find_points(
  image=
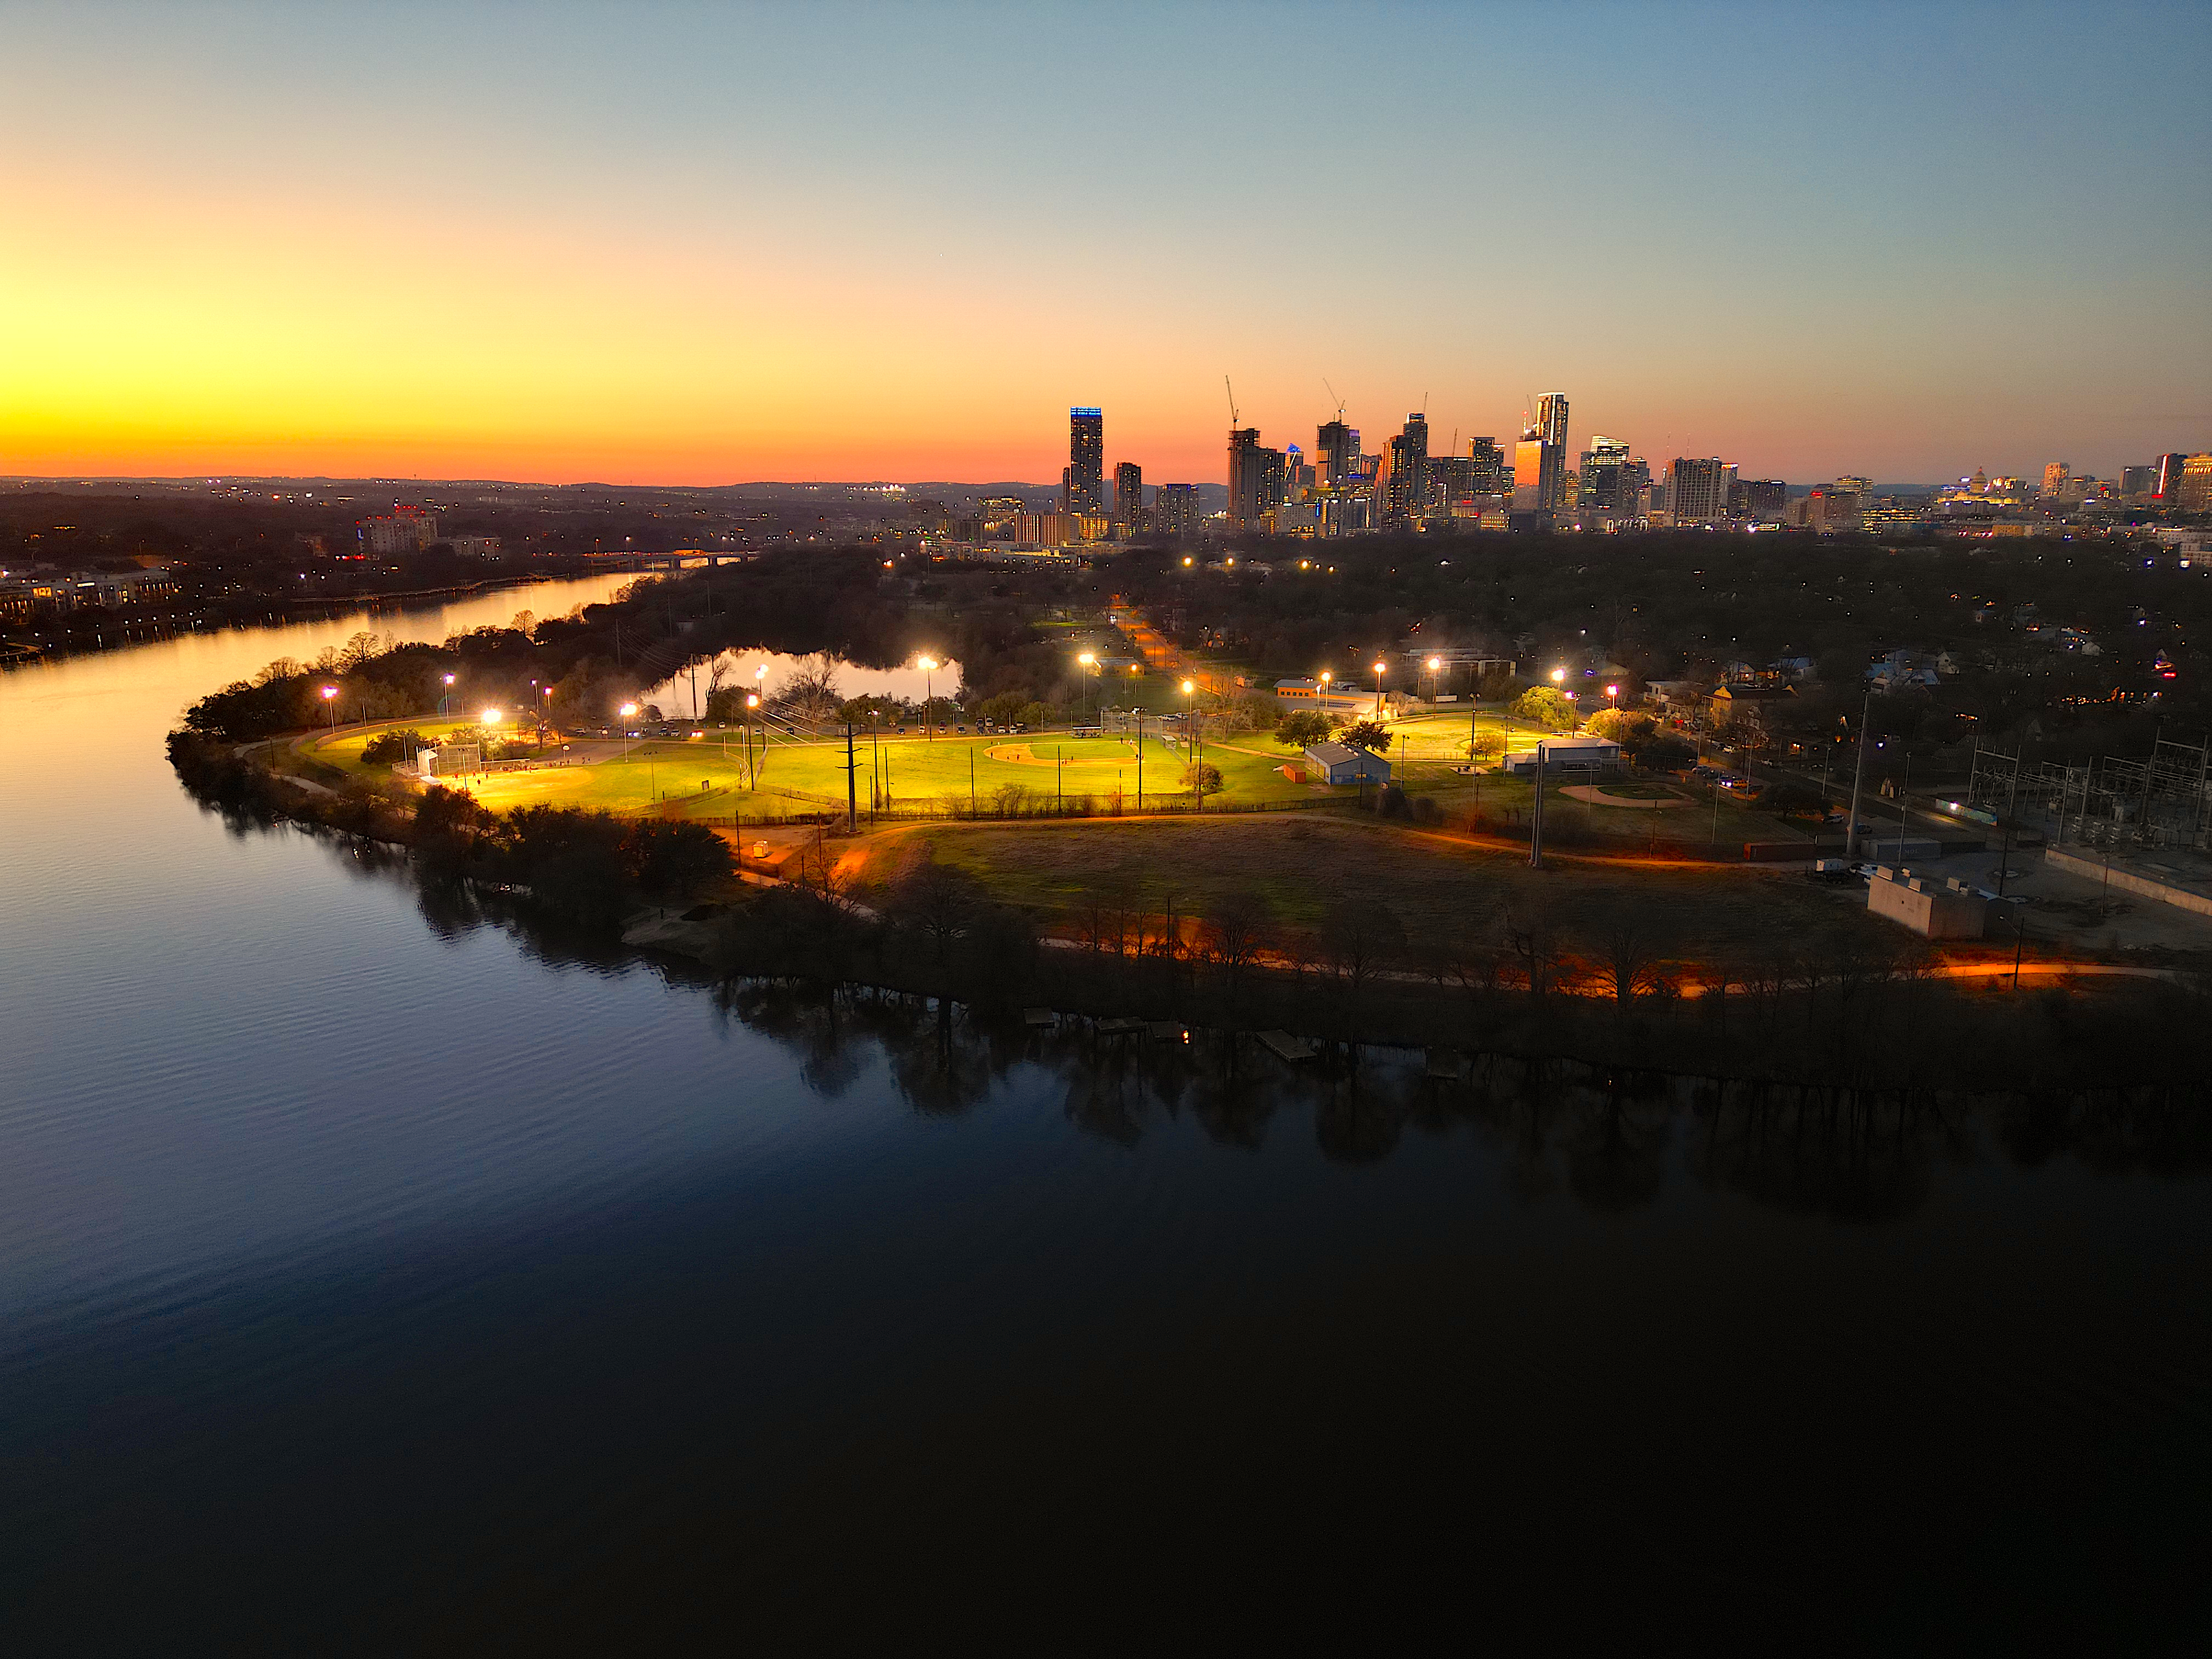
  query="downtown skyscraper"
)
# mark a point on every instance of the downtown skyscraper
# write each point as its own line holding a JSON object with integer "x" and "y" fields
{"x": 1083, "y": 486}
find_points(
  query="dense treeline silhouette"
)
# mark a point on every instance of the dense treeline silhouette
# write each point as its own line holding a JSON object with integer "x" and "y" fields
{"x": 1688, "y": 604}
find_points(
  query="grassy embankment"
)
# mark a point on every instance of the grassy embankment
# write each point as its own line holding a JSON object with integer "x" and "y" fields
{"x": 1445, "y": 891}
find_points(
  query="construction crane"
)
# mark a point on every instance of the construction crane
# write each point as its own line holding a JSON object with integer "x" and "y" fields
{"x": 1232, "y": 402}
{"x": 1339, "y": 401}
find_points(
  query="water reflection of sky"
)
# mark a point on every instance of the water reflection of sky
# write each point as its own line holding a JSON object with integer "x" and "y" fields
{"x": 909, "y": 681}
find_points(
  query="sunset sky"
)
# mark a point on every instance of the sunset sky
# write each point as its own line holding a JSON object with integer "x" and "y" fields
{"x": 711, "y": 244}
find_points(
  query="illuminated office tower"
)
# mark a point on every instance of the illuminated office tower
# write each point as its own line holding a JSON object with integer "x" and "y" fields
{"x": 2194, "y": 488}
{"x": 1409, "y": 467}
{"x": 1255, "y": 479}
{"x": 1334, "y": 444}
{"x": 2169, "y": 477}
{"x": 1600, "y": 476}
{"x": 1489, "y": 465}
{"x": 2054, "y": 479}
{"x": 1538, "y": 465}
{"x": 2136, "y": 480}
{"x": 1174, "y": 509}
{"x": 1552, "y": 419}
{"x": 1130, "y": 495}
{"x": 1084, "y": 487}
{"x": 1698, "y": 489}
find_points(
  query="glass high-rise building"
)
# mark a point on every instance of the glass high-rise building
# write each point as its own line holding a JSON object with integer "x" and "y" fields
{"x": 1552, "y": 419}
{"x": 1174, "y": 509}
{"x": 1130, "y": 495}
{"x": 1083, "y": 489}
{"x": 1335, "y": 444}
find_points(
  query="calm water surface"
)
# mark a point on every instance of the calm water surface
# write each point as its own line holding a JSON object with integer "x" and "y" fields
{"x": 374, "y": 1274}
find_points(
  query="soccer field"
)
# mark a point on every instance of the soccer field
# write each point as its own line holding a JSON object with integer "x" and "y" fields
{"x": 708, "y": 776}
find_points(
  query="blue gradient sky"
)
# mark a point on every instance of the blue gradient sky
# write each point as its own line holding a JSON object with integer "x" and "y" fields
{"x": 700, "y": 244}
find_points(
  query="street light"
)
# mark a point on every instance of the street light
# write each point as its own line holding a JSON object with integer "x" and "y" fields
{"x": 544, "y": 693}
{"x": 446, "y": 696}
{"x": 753, "y": 701}
{"x": 329, "y": 693}
{"x": 1090, "y": 661}
{"x": 1434, "y": 663}
{"x": 1613, "y": 691}
{"x": 1189, "y": 727}
{"x": 928, "y": 695}
{"x": 1379, "y": 688}
{"x": 628, "y": 712}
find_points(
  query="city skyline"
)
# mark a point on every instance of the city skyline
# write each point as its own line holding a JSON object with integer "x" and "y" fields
{"x": 1935, "y": 245}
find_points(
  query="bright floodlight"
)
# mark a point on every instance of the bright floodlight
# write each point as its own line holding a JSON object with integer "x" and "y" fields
{"x": 491, "y": 717}
{"x": 449, "y": 679}
{"x": 627, "y": 709}
{"x": 1378, "y": 667}
{"x": 1187, "y": 688}
{"x": 752, "y": 699}
{"x": 1088, "y": 659}
{"x": 1325, "y": 677}
{"x": 1612, "y": 690}
{"x": 1185, "y": 559}
{"x": 328, "y": 691}
{"x": 926, "y": 663}
{"x": 1434, "y": 663}
{"x": 1558, "y": 673}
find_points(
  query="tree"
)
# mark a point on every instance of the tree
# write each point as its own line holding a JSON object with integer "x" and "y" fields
{"x": 811, "y": 692}
{"x": 1629, "y": 727}
{"x": 675, "y": 860}
{"x": 1359, "y": 939}
{"x": 938, "y": 901}
{"x": 1628, "y": 967}
{"x": 1232, "y": 938}
{"x": 391, "y": 748}
{"x": 1485, "y": 744}
{"x": 1301, "y": 728}
{"x": 1665, "y": 752}
{"x": 1545, "y": 706}
{"x": 1370, "y": 735}
{"x": 1203, "y": 778}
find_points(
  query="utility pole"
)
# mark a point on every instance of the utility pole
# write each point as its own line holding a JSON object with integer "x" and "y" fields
{"x": 1900, "y": 807}
{"x": 852, "y": 784}
{"x": 1140, "y": 742}
{"x": 1858, "y": 781}
{"x": 971, "y": 780}
{"x": 1536, "y": 815}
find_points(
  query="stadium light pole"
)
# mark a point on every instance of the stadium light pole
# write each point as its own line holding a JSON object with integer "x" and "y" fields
{"x": 628, "y": 712}
{"x": 1378, "y": 687}
{"x": 1858, "y": 779}
{"x": 928, "y": 695}
{"x": 330, "y": 705}
{"x": 446, "y": 696}
{"x": 1090, "y": 660}
{"x": 752, "y": 773}
{"x": 1434, "y": 663}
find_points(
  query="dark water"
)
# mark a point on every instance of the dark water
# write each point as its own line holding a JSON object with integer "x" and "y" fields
{"x": 374, "y": 1274}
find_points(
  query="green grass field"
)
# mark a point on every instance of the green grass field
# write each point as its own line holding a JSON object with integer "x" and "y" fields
{"x": 708, "y": 777}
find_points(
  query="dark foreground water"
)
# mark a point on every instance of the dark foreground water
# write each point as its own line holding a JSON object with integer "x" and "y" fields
{"x": 374, "y": 1274}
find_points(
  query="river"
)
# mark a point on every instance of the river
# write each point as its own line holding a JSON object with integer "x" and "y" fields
{"x": 376, "y": 1273}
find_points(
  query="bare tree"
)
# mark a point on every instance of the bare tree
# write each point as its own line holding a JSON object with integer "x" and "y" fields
{"x": 1359, "y": 939}
{"x": 1533, "y": 941}
{"x": 1628, "y": 966}
{"x": 1234, "y": 935}
{"x": 810, "y": 690}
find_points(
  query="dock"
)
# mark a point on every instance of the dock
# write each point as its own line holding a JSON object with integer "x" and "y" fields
{"x": 1284, "y": 1047}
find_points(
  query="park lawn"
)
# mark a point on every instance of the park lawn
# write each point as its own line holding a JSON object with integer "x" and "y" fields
{"x": 343, "y": 750}
{"x": 1443, "y": 892}
{"x": 695, "y": 778}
